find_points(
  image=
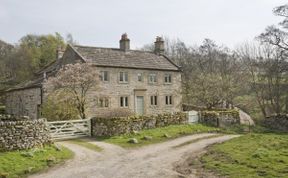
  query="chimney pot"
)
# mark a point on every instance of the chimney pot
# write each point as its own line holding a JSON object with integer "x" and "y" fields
{"x": 124, "y": 42}
{"x": 159, "y": 45}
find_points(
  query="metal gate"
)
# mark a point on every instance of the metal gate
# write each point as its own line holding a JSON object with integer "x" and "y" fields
{"x": 61, "y": 130}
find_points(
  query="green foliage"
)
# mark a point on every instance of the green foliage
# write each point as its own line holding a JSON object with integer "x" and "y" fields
{"x": 252, "y": 155}
{"x": 58, "y": 107}
{"x": 41, "y": 48}
{"x": 158, "y": 134}
{"x": 21, "y": 163}
{"x": 2, "y": 109}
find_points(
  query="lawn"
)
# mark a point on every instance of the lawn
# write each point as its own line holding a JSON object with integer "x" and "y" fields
{"x": 158, "y": 135}
{"x": 252, "y": 155}
{"x": 22, "y": 163}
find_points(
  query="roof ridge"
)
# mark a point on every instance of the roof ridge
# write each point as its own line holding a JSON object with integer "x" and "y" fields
{"x": 136, "y": 50}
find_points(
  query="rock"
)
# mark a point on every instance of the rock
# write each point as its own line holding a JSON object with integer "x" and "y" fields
{"x": 29, "y": 170}
{"x": 135, "y": 132}
{"x": 167, "y": 135}
{"x": 58, "y": 147}
{"x": 27, "y": 154}
{"x": 51, "y": 160}
{"x": 147, "y": 138}
{"x": 133, "y": 140}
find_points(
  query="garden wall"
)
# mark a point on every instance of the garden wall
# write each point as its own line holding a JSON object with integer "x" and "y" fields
{"x": 121, "y": 125}
{"x": 17, "y": 133}
{"x": 220, "y": 118}
{"x": 277, "y": 122}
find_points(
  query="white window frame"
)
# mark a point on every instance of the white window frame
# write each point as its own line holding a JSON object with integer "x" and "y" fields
{"x": 102, "y": 76}
{"x": 168, "y": 78}
{"x": 125, "y": 77}
{"x": 124, "y": 101}
{"x": 139, "y": 77}
{"x": 153, "y": 100}
{"x": 152, "y": 78}
{"x": 103, "y": 102}
{"x": 169, "y": 100}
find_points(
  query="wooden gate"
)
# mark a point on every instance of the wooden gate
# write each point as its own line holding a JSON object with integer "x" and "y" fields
{"x": 61, "y": 130}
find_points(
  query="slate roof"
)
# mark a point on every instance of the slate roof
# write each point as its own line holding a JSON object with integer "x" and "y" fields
{"x": 107, "y": 57}
{"x": 113, "y": 57}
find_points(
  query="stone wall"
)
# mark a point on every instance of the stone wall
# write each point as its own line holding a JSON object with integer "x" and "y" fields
{"x": 277, "y": 122}
{"x": 22, "y": 133}
{"x": 116, "y": 126}
{"x": 25, "y": 102}
{"x": 113, "y": 90}
{"x": 220, "y": 118}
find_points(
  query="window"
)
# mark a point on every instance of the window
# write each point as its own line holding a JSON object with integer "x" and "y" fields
{"x": 168, "y": 78}
{"x": 123, "y": 77}
{"x": 139, "y": 77}
{"x": 168, "y": 100}
{"x": 153, "y": 100}
{"x": 152, "y": 78}
{"x": 103, "y": 102}
{"x": 123, "y": 101}
{"x": 104, "y": 76}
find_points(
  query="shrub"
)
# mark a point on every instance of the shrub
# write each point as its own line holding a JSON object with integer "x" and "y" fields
{"x": 59, "y": 108}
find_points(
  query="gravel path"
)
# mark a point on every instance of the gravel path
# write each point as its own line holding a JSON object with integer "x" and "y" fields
{"x": 150, "y": 161}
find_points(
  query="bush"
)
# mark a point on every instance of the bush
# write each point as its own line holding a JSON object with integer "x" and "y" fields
{"x": 2, "y": 109}
{"x": 59, "y": 108}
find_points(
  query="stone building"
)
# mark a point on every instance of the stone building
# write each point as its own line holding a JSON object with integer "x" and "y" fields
{"x": 144, "y": 82}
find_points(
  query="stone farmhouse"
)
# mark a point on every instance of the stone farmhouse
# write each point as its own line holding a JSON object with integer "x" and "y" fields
{"x": 146, "y": 83}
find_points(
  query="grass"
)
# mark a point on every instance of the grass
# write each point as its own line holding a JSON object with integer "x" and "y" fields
{"x": 22, "y": 163}
{"x": 158, "y": 134}
{"x": 197, "y": 140}
{"x": 86, "y": 144}
{"x": 251, "y": 155}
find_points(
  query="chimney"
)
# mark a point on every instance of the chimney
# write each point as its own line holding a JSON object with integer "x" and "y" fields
{"x": 59, "y": 52}
{"x": 159, "y": 45}
{"x": 124, "y": 42}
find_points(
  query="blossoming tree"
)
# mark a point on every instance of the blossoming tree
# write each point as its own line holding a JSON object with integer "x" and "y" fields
{"x": 75, "y": 79}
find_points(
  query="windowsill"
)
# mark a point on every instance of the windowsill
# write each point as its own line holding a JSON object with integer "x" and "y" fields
{"x": 167, "y": 83}
{"x": 123, "y": 82}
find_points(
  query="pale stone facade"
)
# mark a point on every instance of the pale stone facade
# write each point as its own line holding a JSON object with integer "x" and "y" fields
{"x": 158, "y": 92}
{"x": 25, "y": 102}
{"x": 113, "y": 89}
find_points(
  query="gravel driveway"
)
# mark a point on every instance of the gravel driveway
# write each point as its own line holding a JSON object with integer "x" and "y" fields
{"x": 150, "y": 161}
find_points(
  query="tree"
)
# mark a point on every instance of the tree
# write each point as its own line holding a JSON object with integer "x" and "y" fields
{"x": 41, "y": 49}
{"x": 75, "y": 79}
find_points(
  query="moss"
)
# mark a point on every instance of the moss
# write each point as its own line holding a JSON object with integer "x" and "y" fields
{"x": 21, "y": 163}
{"x": 252, "y": 155}
{"x": 158, "y": 134}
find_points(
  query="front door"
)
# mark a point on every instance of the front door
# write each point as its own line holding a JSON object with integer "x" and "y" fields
{"x": 139, "y": 105}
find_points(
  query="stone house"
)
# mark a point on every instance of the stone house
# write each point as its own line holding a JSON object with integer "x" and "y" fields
{"x": 146, "y": 83}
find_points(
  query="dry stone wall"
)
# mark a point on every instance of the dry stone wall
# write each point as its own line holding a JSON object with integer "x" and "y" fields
{"x": 220, "y": 118}
{"x": 117, "y": 125}
{"x": 277, "y": 122}
{"x": 18, "y": 133}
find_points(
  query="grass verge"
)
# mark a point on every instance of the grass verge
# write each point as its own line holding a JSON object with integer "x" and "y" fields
{"x": 22, "y": 163}
{"x": 197, "y": 140}
{"x": 86, "y": 144}
{"x": 252, "y": 155}
{"x": 158, "y": 135}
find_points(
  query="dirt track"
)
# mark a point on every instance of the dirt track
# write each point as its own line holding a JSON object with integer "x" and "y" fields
{"x": 150, "y": 161}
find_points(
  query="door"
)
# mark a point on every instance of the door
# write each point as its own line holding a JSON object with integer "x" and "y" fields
{"x": 139, "y": 105}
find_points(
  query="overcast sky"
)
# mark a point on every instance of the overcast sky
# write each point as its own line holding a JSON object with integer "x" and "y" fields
{"x": 101, "y": 22}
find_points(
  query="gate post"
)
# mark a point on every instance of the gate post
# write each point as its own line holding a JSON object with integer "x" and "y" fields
{"x": 89, "y": 126}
